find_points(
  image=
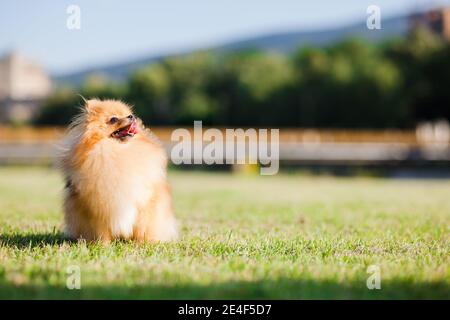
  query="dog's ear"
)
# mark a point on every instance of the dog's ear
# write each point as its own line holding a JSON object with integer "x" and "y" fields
{"x": 88, "y": 104}
{"x": 85, "y": 105}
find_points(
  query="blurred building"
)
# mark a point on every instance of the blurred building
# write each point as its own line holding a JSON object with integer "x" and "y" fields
{"x": 437, "y": 20}
{"x": 23, "y": 87}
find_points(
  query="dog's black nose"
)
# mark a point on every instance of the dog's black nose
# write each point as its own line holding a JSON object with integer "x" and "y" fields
{"x": 131, "y": 117}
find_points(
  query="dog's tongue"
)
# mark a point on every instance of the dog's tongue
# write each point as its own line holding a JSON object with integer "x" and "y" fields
{"x": 132, "y": 129}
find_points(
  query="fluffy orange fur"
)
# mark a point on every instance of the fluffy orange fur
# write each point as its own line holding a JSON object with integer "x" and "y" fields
{"x": 115, "y": 171}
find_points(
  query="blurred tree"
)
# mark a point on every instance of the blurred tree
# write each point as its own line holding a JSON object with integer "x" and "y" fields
{"x": 255, "y": 85}
{"x": 196, "y": 105}
{"x": 59, "y": 108}
{"x": 65, "y": 102}
{"x": 424, "y": 61}
{"x": 149, "y": 93}
{"x": 347, "y": 85}
{"x": 435, "y": 102}
{"x": 351, "y": 84}
{"x": 98, "y": 86}
{"x": 174, "y": 90}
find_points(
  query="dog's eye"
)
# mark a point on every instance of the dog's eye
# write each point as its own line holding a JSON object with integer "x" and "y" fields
{"x": 113, "y": 120}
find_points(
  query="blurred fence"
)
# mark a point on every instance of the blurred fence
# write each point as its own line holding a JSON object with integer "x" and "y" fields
{"x": 427, "y": 144}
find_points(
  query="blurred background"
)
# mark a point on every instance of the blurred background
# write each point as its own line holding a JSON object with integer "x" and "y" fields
{"x": 347, "y": 99}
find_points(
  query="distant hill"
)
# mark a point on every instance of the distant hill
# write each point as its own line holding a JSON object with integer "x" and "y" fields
{"x": 285, "y": 42}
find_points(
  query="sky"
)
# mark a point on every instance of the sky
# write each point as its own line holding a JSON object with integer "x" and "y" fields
{"x": 114, "y": 30}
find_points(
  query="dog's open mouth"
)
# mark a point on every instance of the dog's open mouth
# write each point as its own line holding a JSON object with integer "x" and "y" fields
{"x": 127, "y": 131}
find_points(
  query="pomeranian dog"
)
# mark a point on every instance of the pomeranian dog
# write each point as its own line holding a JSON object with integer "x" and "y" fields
{"x": 115, "y": 171}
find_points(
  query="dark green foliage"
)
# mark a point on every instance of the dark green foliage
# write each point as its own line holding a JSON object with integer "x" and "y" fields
{"x": 65, "y": 102}
{"x": 349, "y": 85}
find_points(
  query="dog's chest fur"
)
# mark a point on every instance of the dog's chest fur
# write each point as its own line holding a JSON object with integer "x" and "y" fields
{"x": 121, "y": 181}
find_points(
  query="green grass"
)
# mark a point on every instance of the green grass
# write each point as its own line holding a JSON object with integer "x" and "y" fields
{"x": 286, "y": 236}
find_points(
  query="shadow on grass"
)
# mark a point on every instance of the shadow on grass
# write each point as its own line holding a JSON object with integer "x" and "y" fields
{"x": 33, "y": 240}
{"x": 264, "y": 289}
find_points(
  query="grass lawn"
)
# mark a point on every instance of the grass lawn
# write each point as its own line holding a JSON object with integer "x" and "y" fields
{"x": 286, "y": 236}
